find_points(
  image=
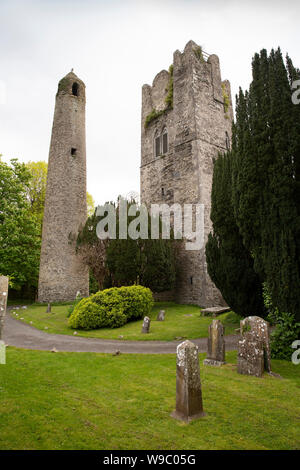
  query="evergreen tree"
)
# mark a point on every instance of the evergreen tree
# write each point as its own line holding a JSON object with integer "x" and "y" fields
{"x": 230, "y": 265}
{"x": 266, "y": 153}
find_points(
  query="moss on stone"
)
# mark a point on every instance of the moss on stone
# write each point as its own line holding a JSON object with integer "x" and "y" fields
{"x": 226, "y": 99}
{"x": 199, "y": 53}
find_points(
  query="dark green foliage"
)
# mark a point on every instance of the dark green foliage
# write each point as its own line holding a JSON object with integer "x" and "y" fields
{"x": 230, "y": 265}
{"x": 266, "y": 192}
{"x": 19, "y": 229}
{"x": 169, "y": 97}
{"x": 147, "y": 262}
{"x": 112, "y": 308}
{"x": 154, "y": 115}
{"x": 287, "y": 330}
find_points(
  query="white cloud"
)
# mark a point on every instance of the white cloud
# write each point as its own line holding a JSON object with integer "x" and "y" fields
{"x": 116, "y": 47}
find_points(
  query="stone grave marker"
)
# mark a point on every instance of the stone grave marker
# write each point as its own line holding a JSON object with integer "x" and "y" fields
{"x": 254, "y": 347}
{"x": 161, "y": 315}
{"x": 146, "y": 325}
{"x": 189, "y": 404}
{"x": 215, "y": 344}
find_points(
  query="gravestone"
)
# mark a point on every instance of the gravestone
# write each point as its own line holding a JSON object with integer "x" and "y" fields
{"x": 215, "y": 344}
{"x": 161, "y": 315}
{"x": 146, "y": 325}
{"x": 254, "y": 347}
{"x": 188, "y": 385}
{"x": 3, "y": 300}
{"x": 48, "y": 308}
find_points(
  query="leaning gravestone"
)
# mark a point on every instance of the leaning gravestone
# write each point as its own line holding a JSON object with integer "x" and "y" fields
{"x": 215, "y": 344}
{"x": 161, "y": 315}
{"x": 3, "y": 300}
{"x": 146, "y": 325}
{"x": 188, "y": 385}
{"x": 254, "y": 347}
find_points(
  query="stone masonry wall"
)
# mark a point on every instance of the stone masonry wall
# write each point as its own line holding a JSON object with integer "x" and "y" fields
{"x": 197, "y": 127}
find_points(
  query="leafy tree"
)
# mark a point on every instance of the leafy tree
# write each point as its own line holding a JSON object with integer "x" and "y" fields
{"x": 266, "y": 186}
{"x": 36, "y": 192}
{"x": 230, "y": 265}
{"x": 19, "y": 229}
{"x": 117, "y": 262}
{"x": 92, "y": 250}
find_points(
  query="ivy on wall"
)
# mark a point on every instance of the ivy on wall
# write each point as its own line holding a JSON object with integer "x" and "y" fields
{"x": 226, "y": 100}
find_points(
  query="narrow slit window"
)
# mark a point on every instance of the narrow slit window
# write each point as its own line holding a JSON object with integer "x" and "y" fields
{"x": 73, "y": 151}
{"x": 157, "y": 146}
{"x": 191, "y": 280}
{"x": 165, "y": 142}
{"x": 75, "y": 88}
{"x": 227, "y": 141}
{"x": 162, "y": 191}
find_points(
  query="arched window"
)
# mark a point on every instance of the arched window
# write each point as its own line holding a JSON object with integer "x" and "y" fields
{"x": 227, "y": 140}
{"x": 75, "y": 89}
{"x": 157, "y": 140}
{"x": 165, "y": 141}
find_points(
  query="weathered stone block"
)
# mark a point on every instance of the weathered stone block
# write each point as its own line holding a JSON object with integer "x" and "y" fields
{"x": 214, "y": 310}
{"x": 3, "y": 300}
{"x": 215, "y": 344}
{"x": 250, "y": 356}
{"x": 260, "y": 331}
{"x": 161, "y": 315}
{"x": 146, "y": 325}
{"x": 188, "y": 385}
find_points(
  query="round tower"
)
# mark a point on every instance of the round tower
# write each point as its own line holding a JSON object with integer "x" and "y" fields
{"x": 62, "y": 273}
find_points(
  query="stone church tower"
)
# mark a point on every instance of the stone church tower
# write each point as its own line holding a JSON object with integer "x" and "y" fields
{"x": 62, "y": 274}
{"x": 178, "y": 148}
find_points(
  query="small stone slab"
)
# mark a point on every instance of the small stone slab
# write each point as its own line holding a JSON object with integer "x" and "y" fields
{"x": 259, "y": 329}
{"x": 189, "y": 404}
{"x": 250, "y": 356}
{"x": 161, "y": 315}
{"x": 215, "y": 344}
{"x": 146, "y": 325}
{"x": 214, "y": 310}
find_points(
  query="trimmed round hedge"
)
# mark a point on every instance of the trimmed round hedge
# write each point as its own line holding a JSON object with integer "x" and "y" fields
{"x": 112, "y": 308}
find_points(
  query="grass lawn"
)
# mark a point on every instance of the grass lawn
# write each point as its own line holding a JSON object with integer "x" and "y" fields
{"x": 98, "y": 401}
{"x": 180, "y": 321}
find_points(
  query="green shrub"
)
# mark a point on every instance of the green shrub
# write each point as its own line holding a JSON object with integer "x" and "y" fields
{"x": 287, "y": 330}
{"x": 71, "y": 308}
{"x": 87, "y": 315}
{"x": 112, "y": 308}
{"x": 137, "y": 301}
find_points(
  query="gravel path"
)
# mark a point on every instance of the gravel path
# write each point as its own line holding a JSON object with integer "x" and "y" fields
{"x": 22, "y": 335}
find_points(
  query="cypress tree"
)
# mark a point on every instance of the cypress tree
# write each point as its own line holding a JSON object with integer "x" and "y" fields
{"x": 230, "y": 265}
{"x": 266, "y": 155}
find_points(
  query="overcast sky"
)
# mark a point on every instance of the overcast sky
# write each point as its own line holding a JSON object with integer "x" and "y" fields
{"x": 115, "y": 46}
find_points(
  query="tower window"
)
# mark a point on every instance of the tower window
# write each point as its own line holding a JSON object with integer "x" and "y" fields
{"x": 191, "y": 280}
{"x": 227, "y": 140}
{"x": 73, "y": 152}
{"x": 165, "y": 141}
{"x": 157, "y": 146}
{"x": 162, "y": 191}
{"x": 75, "y": 88}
